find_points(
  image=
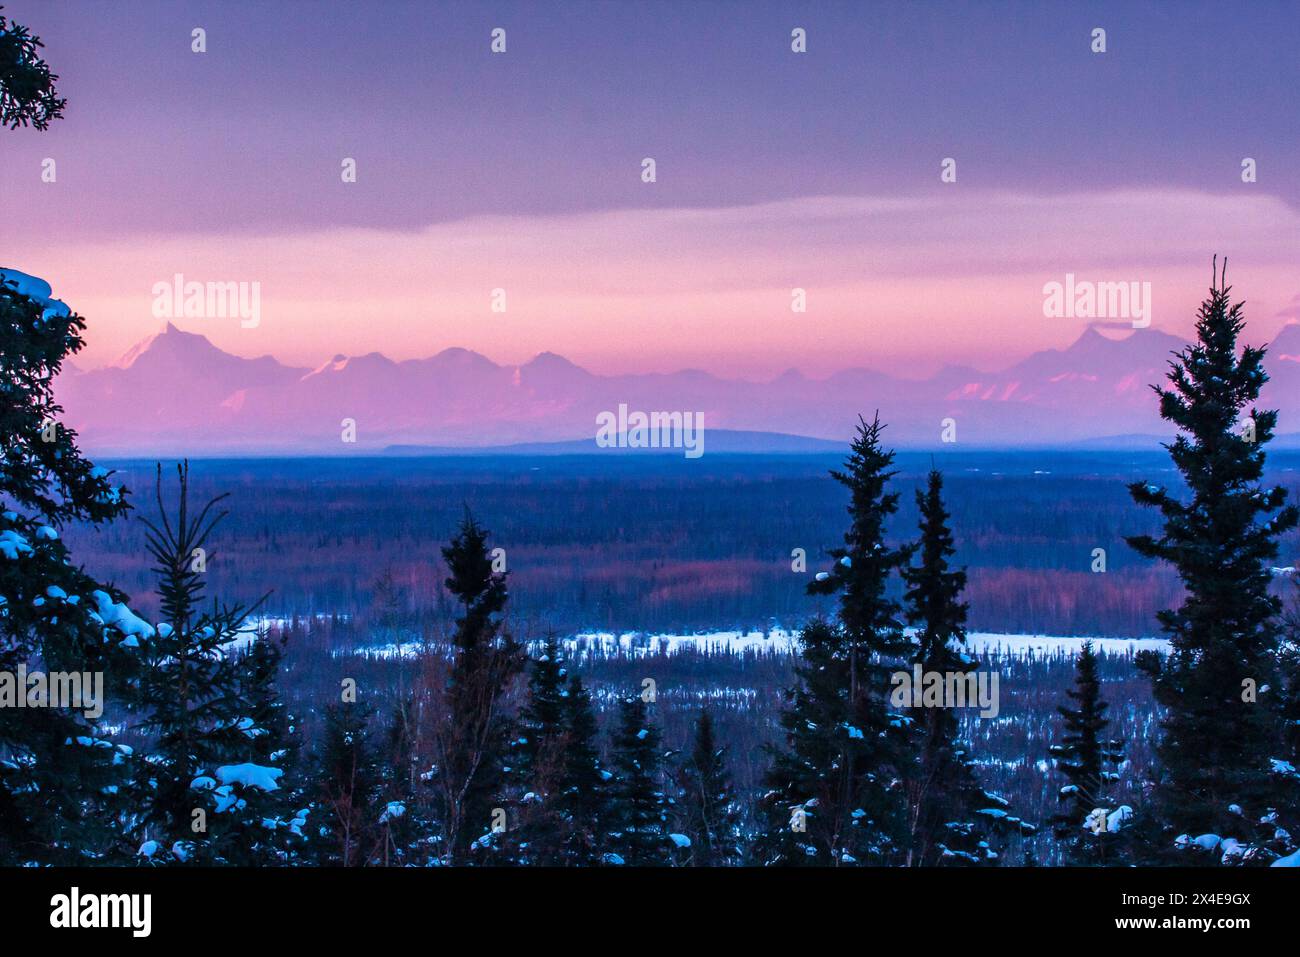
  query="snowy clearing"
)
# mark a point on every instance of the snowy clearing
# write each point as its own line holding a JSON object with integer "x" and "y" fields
{"x": 779, "y": 641}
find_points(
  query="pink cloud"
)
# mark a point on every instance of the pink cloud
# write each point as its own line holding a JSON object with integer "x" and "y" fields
{"x": 903, "y": 283}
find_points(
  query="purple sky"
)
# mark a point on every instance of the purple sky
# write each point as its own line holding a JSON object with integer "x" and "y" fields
{"x": 168, "y": 158}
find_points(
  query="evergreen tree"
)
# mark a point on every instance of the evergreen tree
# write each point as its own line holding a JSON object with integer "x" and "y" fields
{"x": 62, "y": 797}
{"x": 845, "y": 750}
{"x": 1221, "y": 720}
{"x": 541, "y": 721}
{"x": 871, "y": 629}
{"x": 711, "y": 818}
{"x": 475, "y": 739}
{"x": 934, "y": 587}
{"x": 638, "y": 810}
{"x": 400, "y": 823}
{"x": 582, "y": 791}
{"x": 1290, "y": 668}
{"x": 27, "y": 87}
{"x": 1286, "y": 769}
{"x": 346, "y": 827}
{"x": 830, "y": 801}
{"x": 272, "y": 829}
{"x": 1090, "y": 829}
{"x": 950, "y": 815}
{"x": 199, "y": 797}
{"x": 542, "y": 741}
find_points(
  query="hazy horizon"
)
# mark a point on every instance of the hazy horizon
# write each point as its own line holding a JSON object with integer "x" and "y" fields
{"x": 326, "y": 357}
{"x": 176, "y": 391}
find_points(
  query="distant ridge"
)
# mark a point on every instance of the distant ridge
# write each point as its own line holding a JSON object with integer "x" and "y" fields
{"x": 722, "y": 441}
{"x": 1123, "y": 443}
{"x": 177, "y": 393}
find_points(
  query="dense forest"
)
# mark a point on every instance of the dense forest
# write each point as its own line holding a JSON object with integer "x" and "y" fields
{"x": 669, "y": 545}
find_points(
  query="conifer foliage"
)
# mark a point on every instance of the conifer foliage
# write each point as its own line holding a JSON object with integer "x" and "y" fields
{"x": 27, "y": 87}
{"x": 346, "y": 829}
{"x": 543, "y": 737}
{"x": 200, "y": 795}
{"x": 831, "y": 798}
{"x": 1218, "y": 683}
{"x": 59, "y": 768}
{"x": 638, "y": 811}
{"x": 708, "y": 806}
{"x": 949, "y": 814}
{"x": 1090, "y": 831}
{"x": 582, "y": 792}
{"x": 474, "y": 741}
{"x": 834, "y": 796}
{"x": 872, "y": 629}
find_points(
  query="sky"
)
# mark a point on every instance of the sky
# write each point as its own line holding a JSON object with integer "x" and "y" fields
{"x": 522, "y": 171}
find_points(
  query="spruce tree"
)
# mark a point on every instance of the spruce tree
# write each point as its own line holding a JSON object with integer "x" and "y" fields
{"x": 1290, "y": 668}
{"x": 474, "y": 741}
{"x": 400, "y": 822}
{"x": 1220, "y": 721}
{"x": 871, "y": 629}
{"x": 831, "y": 800}
{"x": 271, "y": 831}
{"x": 582, "y": 791}
{"x": 1286, "y": 769}
{"x": 710, "y": 816}
{"x": 541, "y": 721}
{"x": 542, "y": 740}
{"x": 638, "y": 809}
{"x": 62, "y": 798}
{"x": 345, "y": 828}
{"x": 27, "y": 87}
{"x": 1090, "y": 830}
{"x": 934, "y": 587}
{"x": 200, "y": 797}
{"x": 845, "y": 751}
{"x": 950, "y": 815}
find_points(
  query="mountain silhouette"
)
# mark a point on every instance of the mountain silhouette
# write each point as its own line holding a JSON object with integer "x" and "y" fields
{"x": 176, "y": 392}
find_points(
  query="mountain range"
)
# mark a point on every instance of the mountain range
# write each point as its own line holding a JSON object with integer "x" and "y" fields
{"x": 177, "y": 393}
